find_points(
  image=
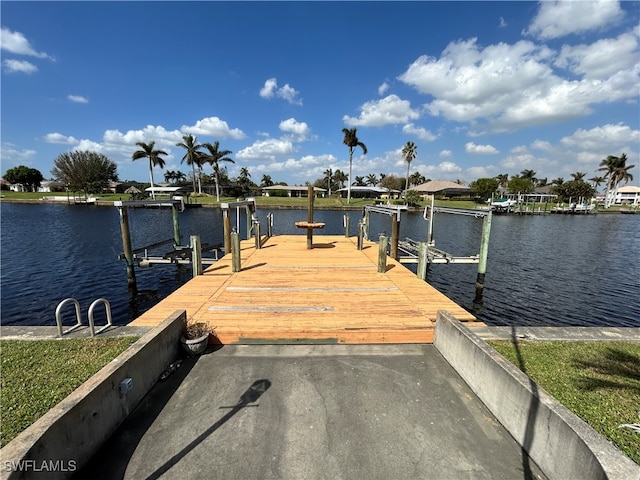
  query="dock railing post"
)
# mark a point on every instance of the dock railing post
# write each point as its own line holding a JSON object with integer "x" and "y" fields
{"x": 248, "y": 212}
{"x": 347, "y": 221}
{"x": 236, "y": 261}
{"x": 482, "y": 262}
{"x": 383, "y": 243}
{"x": 226, "y": 224}
{"x": 176, "y": 224}
{"x": 366, "y": 224}
{"x": 395, "y": 234}
{"x": 196, "y": 255}
{"x": 256, "y": 232}
{"x": 126, "y": 244}
{"x": 360, "y": 234}
{"x": 269, "y": 225}
{"x": 310, "y": 194}
{"x": 423, "y": 260}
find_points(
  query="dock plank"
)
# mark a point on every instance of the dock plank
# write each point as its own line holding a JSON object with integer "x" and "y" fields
{"x": 333, "y": 293}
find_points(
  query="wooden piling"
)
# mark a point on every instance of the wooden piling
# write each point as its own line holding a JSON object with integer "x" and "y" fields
{"x": 361, "y": 234}
{"x": 176, "y": 224}
{"x": 196, "y": 255}
{"x": 482, "y": 262}
{"x": 347, "y": 222}
{"x": 395, "y": 235}
{"x": 236, "y": 260}
{"x": 423, "y": 260}
{"x": 383, "y": 243}
{"x": 256, "y": 232}
{"x": 310, "y": 194}
{"x": 126, "y": 244}
{"x": 226, "y": 224}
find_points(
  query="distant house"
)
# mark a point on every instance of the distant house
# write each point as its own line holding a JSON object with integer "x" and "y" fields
{"x": 627, "y": 195}
{"x": 358, "y": 191}
{"x": 292, "y": 190}
{"x": 443, "y": 188}
{"x": 48, "y": 186}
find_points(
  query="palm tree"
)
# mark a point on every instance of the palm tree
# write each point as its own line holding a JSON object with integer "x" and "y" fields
{"x": 190, "y": 144}
{"x": 372, "y": 179}
{"x": 340, "y": 177}
{"x": 577, "y": 176}
{"x": 617, "y": 170}
{"x": 557, "y": 181}
{"x": 147, "y": 151}
{"x": 328, "y": 176}
{"x": 359, "y": 182}
{"x": 528, "y": 174}
{"x": 266, "y": 181}
{"x": 409, "y": 152}
{"x": 597, "y": 181}
{"x": 213, "y": 158}
{"x": 417, "y": 178}
{"x": 351, "y": 141}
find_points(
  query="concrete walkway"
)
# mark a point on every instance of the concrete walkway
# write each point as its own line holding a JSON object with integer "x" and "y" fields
{"x": 312, "y": 412}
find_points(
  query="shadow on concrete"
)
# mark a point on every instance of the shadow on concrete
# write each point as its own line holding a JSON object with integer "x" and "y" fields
{"x": 126, "y": 437}
{"x": 252, "y": 394}
{"x": 534, "y": 406}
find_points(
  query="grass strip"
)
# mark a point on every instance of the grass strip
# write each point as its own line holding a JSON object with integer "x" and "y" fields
{"x": 598, "y": 381}
{"x": 38, "y": 374}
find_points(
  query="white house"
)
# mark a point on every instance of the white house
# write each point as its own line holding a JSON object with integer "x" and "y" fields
{"x": 627, "y": 195}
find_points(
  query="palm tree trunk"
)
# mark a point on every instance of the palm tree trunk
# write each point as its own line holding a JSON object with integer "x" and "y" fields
{"x": 153, "y": 193}
{"x": 350, "y": 167}
{"x": 193, "y": 171}
{"x": 406, "y": 183}
{"x": 199, "y": 180}
{"x": 215, "y": 176}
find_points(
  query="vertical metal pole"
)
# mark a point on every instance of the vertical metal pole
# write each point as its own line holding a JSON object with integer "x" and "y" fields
{"x": 347, "y": 222}
{"x": 226, "y": 222}
{"x": 431, "y": 215}
{"x": 482, "y": 263}
{"x": 367, "y": 225}
{"x": 176, "y": 225}
{"x": 310, "y": 194}
{"x": 382, "y": 254}
{"x": 236, "y": 261}
{"x": 269, "y": 225}
{"x": 196, "y": 255}
{"x": 395, "y": 234}
{"x": 126, "y": 244}
{"x": 423, "y": 260}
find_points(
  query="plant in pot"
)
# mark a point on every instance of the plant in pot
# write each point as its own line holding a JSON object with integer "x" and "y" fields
{"x": 195, "y": 337}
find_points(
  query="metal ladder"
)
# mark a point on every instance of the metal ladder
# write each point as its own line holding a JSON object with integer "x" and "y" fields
{"x": 92, "y": 329}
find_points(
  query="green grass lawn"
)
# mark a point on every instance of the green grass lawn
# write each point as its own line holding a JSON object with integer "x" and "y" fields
{"x": 38, "y": 374}
{"x": 598, "y": 381}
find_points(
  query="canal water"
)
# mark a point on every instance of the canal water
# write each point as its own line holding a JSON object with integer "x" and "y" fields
{"x": 554, "y": 270}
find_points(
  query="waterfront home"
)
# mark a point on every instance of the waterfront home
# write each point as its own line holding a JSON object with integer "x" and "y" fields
{"x": 627, "y": 195}
{"x": 442, "y": 188}
{"x": 292, "y": 190}
{"x": 360, "y": 191}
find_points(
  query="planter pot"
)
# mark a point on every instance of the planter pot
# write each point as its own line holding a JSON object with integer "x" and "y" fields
{"x": 195, "y": 346}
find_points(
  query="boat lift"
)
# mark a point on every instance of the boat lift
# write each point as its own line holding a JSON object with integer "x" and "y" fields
{"x": 180, "y": 254}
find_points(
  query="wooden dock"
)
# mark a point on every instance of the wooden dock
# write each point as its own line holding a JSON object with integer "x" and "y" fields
{"x": 332, "y": 293}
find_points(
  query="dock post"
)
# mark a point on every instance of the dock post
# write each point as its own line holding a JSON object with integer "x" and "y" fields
{"x": 196, "y": 255}
{"x": 236, "y": 261}
{"x": 366, "y": 224}
{"x": 269, "y": 225}
{"x": 310, "y": 194}
{"x": 382, "y": 254}
{"x": 256, "y": 232}
{"x": 226, "y": 227}
{"x": 248, "y": 212}
{"x": 126, "y": 244}
{"x": 360, "y": 234}
{"x": 347, "y": 221}
{"x": 423, "y": 260}
{"x": 482, "y": 263}
{"x": 395, "y": 234}
{"x": 176, "y": 224}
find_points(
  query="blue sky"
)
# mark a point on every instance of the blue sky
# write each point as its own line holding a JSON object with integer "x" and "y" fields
{"x": 482, "y": 88}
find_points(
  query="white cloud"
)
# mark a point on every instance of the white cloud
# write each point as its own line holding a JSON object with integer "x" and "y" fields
{"x": 60, "y": 138}
{"x": 77, "y": 99}
{"x": 601, "y": 59}
{"x": 607, "y": 138}
{"x": 471, "y": 147}
{"x": 503, "y": 22}
{"x": 16, "y": 43}
{"x": 420, "y": 132}
{"x": 445, "y": 154}
{"x": 287, "y": 92}
{"x": 505, "y": 87}
{"x": 442, "y": 171}
{"x": 10, "y": 154}
{"x": 213, "y": 127}
{"x": 20, "y": 66}
{"x": 559, "y": 18}
{"x": 268, "y": 149}
{"x": 299, "y": 129}
{"x": 387, "y": 111}
{"x": 383, "y": 88}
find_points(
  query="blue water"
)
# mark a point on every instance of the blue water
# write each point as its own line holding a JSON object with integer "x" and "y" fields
{"x": 541, "y": 270}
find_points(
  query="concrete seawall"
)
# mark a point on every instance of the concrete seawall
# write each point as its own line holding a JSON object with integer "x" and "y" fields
{"x": 563, "y": 445}
{"x": 69, "y": 434}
